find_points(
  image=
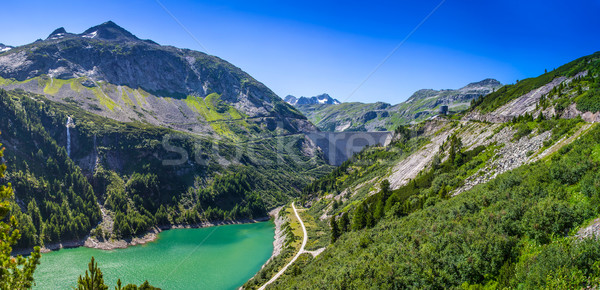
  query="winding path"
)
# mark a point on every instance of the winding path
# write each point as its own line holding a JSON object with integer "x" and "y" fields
{"x": 304, "y": 240}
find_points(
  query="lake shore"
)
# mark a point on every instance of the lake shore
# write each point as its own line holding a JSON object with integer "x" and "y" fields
{"x": 149, "y": 236}
{"x": 279, "y": 238}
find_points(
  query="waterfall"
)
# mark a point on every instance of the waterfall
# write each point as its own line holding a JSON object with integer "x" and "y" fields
{"x": 69, "y": 125}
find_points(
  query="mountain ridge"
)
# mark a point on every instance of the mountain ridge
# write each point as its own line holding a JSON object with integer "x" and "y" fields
{"x": 109, "y": 71}
{"x": 127, "y": 135}
{"x": 380, "y": 116}
{"x": 319, "y": 99}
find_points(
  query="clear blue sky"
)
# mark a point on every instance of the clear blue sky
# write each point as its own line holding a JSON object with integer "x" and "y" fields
{"x": 309, "y": 47}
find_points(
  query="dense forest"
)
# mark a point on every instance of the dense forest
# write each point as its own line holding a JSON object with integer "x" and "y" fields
{"x": 115, "y": 169}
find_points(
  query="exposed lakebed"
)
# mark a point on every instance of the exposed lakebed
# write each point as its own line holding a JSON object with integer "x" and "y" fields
{"x": 220, "y": 257}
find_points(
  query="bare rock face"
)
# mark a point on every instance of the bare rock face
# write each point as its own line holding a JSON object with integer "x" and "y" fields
{"x": 518, "y": 107}
{"x": 111, "y": 72}
{"x": 572, "y": 112}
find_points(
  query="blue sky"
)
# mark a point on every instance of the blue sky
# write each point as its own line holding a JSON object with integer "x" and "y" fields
{"x": 310, "y": 47}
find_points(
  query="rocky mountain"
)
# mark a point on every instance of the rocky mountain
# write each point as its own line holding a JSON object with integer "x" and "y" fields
{"x": 109, "y": 136}
{"x": 381, "y": 116}
{"x": 503, "y": 195}
{"x": 110, "y": 72}
{"x": 320, "y": 99}
{"x": 4, "y": 48}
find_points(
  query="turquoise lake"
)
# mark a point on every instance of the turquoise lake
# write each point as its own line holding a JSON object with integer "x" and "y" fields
{"x": 221, "y": 257}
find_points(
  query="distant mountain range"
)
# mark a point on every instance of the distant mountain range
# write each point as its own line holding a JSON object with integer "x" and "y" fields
{"x": 320, "y": 99}
{"x": 423, "y": 104}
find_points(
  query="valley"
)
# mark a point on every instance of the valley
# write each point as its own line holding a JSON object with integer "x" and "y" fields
{"x": 174, "y": 168}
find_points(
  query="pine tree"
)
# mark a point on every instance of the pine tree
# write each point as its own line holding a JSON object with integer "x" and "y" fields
{"x": 15, "y": 272}
{"x": 359, "y": 219}
{"x": 344, "y": 223}
{"x": 385, "y": 187}
{"x": 380, "y": 208}
{"x": 370, "y": 220}
{"x": 335, "y": 231}
{"x": 92, "y": 280}
{"x": 540, "y": 118}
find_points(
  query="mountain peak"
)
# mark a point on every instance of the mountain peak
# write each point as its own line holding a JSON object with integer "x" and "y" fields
{"x": 4, "y": 48}
{"x": 58, "y": 33}
{"x": 290, "y": 99}
{"x": 327, "y": 99}
{"x": 320, "y": 99}
{"x": 109, "y": 31}
{"x": 489, "y": 82}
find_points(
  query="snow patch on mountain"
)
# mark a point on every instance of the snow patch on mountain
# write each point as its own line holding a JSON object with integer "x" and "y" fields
{"x": 320, "y": 99}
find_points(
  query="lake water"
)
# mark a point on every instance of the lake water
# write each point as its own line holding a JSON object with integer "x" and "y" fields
{"x": 222, "y": 257}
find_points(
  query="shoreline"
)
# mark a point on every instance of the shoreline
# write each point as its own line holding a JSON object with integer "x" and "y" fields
{"x": 149, "y": 236}
{"x": 279, "y": 237}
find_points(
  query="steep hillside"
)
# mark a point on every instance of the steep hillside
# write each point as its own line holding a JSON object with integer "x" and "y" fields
{"x": 515, "y": 231}
{"x": 511, "y": 202}
{"x": 110, "y": 72}
{"x": 568, "y": 91}
{"x": 74, "y": 172}
{"x": 385, "y": 117}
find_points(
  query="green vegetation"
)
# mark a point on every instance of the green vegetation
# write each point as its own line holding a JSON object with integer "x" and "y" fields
{"x": 507, "y": 93}
{"x": 62, "y": 200}
{"x": 427, "y": 189}
{"x": 59, "y": 201}
{"x": 514, "y": 231}
{"x": 95, "y": 281}
{"x": 15, "y": 272}
{"x": 53, "y": 86}
{"x": 293, "y": 240}
{"x": 526, "y": 124}
{"x": 212, "y": 108}
{"x": 224, "y": 119}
